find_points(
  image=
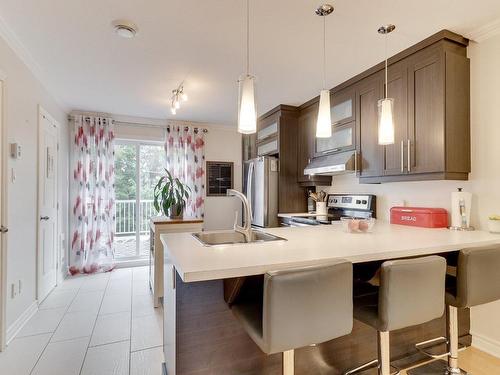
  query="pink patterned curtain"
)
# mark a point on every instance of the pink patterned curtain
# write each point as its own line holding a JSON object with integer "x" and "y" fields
{"x": 92, "y": 196}
{"x": 185, "y": 155}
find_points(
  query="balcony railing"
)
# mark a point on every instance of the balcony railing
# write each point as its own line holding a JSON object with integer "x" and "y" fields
{"x": 126, "y": 216}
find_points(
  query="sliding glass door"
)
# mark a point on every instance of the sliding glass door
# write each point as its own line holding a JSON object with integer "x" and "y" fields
{"x": 138, "y": 166}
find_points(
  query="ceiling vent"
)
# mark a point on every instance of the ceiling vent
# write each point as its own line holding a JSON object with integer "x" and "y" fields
{"x": 125, "y": 29}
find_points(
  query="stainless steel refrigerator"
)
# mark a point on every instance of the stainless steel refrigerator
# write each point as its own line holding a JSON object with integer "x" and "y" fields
{"x": 260, "y": 185}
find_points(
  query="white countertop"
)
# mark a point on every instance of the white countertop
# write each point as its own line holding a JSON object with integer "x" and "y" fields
{"x": 306, "y": 245}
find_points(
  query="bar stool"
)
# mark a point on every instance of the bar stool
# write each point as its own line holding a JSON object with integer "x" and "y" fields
{"x": 411, "y": 292}
{"x": 477, "y": 282}
{"x": 299, "y": 307}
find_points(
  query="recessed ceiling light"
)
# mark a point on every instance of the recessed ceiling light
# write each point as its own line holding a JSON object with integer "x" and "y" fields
{"x": 125, "y": 29}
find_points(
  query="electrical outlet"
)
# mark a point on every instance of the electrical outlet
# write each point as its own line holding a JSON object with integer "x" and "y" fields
{"x": 13, "y": 292}
{"x": 20, "y": 286}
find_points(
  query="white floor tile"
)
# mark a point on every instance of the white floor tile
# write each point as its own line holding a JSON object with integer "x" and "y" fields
{"x": 21, "y": 355}
{"x": 116, "y": 302}
{"x": 87, "y": 301}
{"x": 147, "y": 331}
{"x": 141, "y": 287}
{"x": 121, "y": 274}
{"x": 147, "y": 362}
{"x": 44, "y": 321}
{"x": 62, "y": 358}
{"x": 112, "y": 359}
{"x": 141, "y": 273}
{"x": 120, "y": 286}
{"x": 58, "y": 299}
{"x": 72, "y": 282}
{"x": 111, "y": 328}
{"x": 93, "y": 283}
{"x": 75, "y": 325}
{"x": 142, "y": 305}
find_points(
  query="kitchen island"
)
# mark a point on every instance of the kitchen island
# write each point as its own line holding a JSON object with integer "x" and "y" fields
{"x": 202, "y": 337}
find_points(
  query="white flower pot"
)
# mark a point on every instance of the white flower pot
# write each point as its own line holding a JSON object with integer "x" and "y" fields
{"x": 494, "y": 226}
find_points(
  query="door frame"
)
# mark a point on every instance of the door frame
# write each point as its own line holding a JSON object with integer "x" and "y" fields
{"x": 3, "y": 215}
{"x": 43, "y": 113}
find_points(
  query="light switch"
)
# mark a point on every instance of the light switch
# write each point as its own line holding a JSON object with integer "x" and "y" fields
{"x": 15, "y": 150}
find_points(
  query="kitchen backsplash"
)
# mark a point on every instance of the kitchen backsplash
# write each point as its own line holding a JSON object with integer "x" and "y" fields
{"x": 420, "y": 194}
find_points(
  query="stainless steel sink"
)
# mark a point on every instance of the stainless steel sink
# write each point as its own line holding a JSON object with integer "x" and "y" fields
{"x": 233, "y": 238}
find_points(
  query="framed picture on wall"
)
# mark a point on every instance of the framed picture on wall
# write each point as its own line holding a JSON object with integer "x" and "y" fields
{"x": 220, "y": 177}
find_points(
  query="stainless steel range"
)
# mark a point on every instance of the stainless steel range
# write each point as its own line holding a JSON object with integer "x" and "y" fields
{"x": 339, "y": 205}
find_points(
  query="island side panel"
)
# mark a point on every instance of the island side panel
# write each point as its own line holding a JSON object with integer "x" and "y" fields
{"x": 209, "y": 340}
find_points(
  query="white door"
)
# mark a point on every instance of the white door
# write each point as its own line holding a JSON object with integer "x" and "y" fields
{"x": 3, "y": 228}
{"x": 47, "y": 206}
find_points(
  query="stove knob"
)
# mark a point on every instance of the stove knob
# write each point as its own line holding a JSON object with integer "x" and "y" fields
{"x": 358, "y": 201}
{"x": 365, "y": 202}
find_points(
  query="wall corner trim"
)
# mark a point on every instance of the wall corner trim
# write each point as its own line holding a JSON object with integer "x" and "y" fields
{"x": 25, "y": 56}
{"x": 485, "y": 32}
{"x": 21, "y": 321}
{"x": 486, "y": 344}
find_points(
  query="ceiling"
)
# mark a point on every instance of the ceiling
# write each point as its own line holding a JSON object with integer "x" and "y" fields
{"x": 87, "y": 67}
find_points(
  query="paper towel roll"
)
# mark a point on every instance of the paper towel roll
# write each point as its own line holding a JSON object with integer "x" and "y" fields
{"x": 461, "y": 203}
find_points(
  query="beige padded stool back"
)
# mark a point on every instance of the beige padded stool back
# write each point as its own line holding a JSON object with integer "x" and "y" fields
{"x": 478, "y": 277}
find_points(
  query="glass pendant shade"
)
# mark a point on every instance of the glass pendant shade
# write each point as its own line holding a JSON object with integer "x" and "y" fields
{"x": 247, "y": 114}
{"x": 324, "y": 123}
{"x": 386, "y": 121}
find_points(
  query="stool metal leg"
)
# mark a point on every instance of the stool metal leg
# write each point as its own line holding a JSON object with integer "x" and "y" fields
{"x": 453, "y": 342}
{"x": 384, "y": 355}
{"x": 289, "y": 362}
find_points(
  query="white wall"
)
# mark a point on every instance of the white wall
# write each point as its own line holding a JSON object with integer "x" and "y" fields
{"x": 484, "y": 180}
{"x": 223, "y": 143}
{"x": 23, "y": 94}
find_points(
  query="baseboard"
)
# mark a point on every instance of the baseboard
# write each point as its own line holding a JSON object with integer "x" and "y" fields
{"x": 15, "y": 327}
{"x": 486, "y": 344}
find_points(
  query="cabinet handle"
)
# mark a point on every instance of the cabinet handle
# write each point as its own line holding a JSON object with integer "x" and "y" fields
{"x": 355, "y": 162}
{"x": 409, "y": 155}
{"x": 402, "y": 156}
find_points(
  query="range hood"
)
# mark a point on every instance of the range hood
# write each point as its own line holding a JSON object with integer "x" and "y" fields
{"x": 331, "y": 165}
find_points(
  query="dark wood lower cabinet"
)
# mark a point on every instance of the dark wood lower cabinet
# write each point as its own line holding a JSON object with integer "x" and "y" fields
{"x": 211, "y": 341}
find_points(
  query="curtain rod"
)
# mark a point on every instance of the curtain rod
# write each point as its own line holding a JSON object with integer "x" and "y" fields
{"x": 197, "y": 128}
{"x": 136, "y": 124}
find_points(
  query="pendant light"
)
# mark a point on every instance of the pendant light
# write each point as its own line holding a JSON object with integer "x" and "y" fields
{"x": 247, "y": 114}
{"x": 386, "y": 106}
{"x": 324, "y": 122}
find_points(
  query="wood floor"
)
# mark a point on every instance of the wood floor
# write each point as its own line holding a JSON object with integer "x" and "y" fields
{"x": 106, "y": 324}
{"x": 91, "y": 325}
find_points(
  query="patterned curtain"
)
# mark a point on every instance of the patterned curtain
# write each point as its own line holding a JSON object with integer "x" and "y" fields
{"x": 185, "y": 155}
{"x": 92, "y": 196}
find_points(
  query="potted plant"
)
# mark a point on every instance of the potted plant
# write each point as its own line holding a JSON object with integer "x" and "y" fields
{"x": 170, "y": 196}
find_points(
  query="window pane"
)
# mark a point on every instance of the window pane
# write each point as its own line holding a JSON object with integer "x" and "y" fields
{"x": 125, "y": 191}
{"x": 152, "y": 162}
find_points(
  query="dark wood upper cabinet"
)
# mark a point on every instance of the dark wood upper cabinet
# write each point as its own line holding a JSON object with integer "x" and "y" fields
{"x": 249, "y": 146}
{"x": 277, "y": 135}
{"x": 394, "y": 156}
{"x": 431, "y": 91}
{"x": 306, "y": 146}
{"x": 368, "y": 93}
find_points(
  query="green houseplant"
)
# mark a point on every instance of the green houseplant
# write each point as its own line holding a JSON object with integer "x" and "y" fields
{"x": 170, "y": 196}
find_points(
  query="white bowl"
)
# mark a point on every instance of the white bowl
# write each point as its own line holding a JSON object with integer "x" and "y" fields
{"x": 352, "y": 225}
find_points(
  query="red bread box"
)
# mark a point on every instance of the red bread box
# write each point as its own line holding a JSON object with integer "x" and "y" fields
{"x": 420, "y": 217}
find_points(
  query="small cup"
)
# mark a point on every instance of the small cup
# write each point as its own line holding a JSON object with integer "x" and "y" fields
{"x": 321, "y": 208}
{"x": 494, "y": 226}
